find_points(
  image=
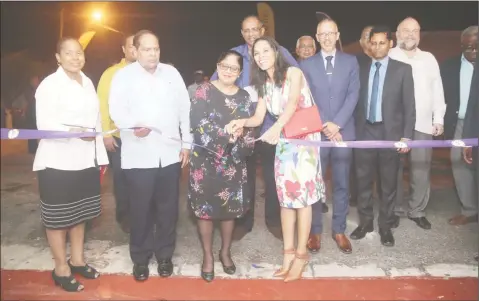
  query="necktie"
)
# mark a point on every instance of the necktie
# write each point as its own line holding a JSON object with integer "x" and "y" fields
{"x": 329, "y": 67}
{"x": 374, "y": 95}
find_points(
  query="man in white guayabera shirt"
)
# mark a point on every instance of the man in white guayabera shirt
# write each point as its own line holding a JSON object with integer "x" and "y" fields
{"x": 149, "y": 95}
{"x": 430, "y": 110}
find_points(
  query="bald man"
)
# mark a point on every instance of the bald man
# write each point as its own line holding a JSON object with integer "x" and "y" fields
{"x": 333, "y": 77}
{"x": 430, "y": 110}
{"x": 305, "y": 47}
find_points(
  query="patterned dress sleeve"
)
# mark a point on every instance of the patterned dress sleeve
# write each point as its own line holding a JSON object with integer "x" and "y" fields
{"x": 245, "y": 144}
{"x": 205, "y": 130}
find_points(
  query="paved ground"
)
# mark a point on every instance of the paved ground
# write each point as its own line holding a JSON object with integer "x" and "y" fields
{"x": 29, "y": 285}
{"x": 444, "y": 251}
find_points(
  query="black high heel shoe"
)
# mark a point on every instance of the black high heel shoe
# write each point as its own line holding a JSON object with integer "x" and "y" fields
{"x": 86, "y": 271}
{"x": 208, "y": 276}
{"x": 230, "y": 270}
{"x": 68, "y": 283}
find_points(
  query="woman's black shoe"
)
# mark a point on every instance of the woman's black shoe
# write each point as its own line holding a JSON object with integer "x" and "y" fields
{"x": 68, "y": 283}
{"x": 208, "y": 276}
{"x": 86, "y": 271}
{"x": 230, "y": 270}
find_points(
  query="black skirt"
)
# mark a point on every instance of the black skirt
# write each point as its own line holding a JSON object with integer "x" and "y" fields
{"x": 69, "y": 197}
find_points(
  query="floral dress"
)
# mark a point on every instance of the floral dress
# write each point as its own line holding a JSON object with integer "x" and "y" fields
{"x": 217, "y": 182}
{"x": 297, "y": 168}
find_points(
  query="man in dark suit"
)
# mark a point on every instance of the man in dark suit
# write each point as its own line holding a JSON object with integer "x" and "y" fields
{"x": 471, "y": 129}
{"x": 386, "y": 111}
{"x": 363, "y": 58}
{"x": 457, "y": 74}
{"x": 333, "y": 78}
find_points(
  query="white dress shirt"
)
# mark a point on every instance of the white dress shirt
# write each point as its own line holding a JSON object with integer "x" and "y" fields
{"x": 161, "y": 101}
{"x": 192, "y": 90}
{"x": 62, "y": 101}
{"x": 252, "y": 93}
{"x": 428, "y": 90}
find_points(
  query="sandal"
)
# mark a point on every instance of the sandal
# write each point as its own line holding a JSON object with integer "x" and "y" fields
{"x": 282, "y": 272}
{"x": 68, "y": 283}
{"x": 299, "y": 270}
{"x": 85, "y": 271}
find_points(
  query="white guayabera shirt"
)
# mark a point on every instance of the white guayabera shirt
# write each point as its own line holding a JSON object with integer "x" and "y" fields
{"x": 428, "y": 90}
{"x": 159, "y": 100}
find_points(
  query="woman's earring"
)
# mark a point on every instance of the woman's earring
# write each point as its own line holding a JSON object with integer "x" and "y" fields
{"x": 58, "y": 63}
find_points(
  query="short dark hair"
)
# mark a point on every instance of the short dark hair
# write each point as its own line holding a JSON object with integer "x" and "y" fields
{"x": 126, "y": 37}
{"x": 252, "y": 17}
{"x": 234, "y": 53}
{"x": 260, "y": 77}
{"x": 63, "y": 40}
{"x": 381, "y": 29}
{"x": 140, "y": 34}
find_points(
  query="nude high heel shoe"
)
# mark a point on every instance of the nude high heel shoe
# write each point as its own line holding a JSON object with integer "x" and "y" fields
{"x": 300, "y": 262}
{"x": 282, "y": 272}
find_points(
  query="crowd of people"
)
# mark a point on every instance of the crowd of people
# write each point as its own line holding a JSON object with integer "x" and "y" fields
{"x": 387, "y": 93}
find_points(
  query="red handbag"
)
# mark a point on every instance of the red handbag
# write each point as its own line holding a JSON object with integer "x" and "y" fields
{"x": 303, "y": 122}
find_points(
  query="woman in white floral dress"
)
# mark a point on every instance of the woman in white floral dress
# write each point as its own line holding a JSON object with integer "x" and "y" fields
{"x": 281, "y": 89}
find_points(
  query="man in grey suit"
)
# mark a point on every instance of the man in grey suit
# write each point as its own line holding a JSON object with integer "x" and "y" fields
{"x": 471, "y": 130}
{"x": 457, "y": 75}
{"x": 386, "y": 111}
{"x": 333, "y": 78}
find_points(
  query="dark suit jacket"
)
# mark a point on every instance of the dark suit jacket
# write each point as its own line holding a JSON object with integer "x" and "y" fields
{"x": 450, "y": 74}
{"x": 398, "y": 103}
{"x": 471, "y": 120}
{"x": 362, "y": 58}
{"x": 335, "y": 104}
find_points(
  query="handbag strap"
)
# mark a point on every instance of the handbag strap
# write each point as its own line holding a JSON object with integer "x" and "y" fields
{"x": 305, "y": 82}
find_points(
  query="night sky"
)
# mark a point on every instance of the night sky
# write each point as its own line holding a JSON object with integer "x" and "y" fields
{"x": 192, "y": 34}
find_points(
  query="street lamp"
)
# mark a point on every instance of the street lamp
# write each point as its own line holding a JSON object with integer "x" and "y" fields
{"x": 97, "y": 16}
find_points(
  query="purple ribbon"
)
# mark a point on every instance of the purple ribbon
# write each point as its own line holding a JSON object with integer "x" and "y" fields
{"x": 24, "y": 134}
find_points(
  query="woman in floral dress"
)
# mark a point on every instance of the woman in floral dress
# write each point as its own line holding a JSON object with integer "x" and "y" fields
{"x": 281, "y": 89}
{"x": 217, "y": 185}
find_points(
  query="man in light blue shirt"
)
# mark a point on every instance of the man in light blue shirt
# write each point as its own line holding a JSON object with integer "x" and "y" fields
{"x": 151, "y": 97}
{"x": 252, "y": 29}
{"x": 457, "y": 77}
{"x": 383, "y": 66}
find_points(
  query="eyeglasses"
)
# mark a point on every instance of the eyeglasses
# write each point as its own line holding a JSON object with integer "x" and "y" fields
{"x": 325, "y": 35}
{"x": 224, "y": 67}
{"x": 251, "y": 30}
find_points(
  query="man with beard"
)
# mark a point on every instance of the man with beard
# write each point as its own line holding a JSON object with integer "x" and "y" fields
{"x": 251, "y": 29}
{"x": 430, "y": 110}
{"x": 457, "y": 76}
